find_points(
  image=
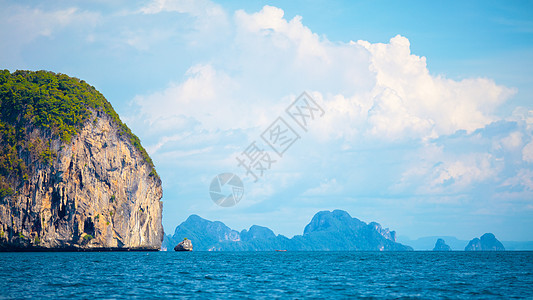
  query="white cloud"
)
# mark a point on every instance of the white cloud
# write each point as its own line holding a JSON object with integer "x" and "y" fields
{"x": 327, "y": 187}
{"x": 464, "y": 171}
{"x": 199, "y": 8}
{"x": 43, "y": 23}
{"x": 416, "y": 101}
{"x": 512, "y": 141}
{"x": 524, "y": 179}
{"x": 292, "y": 36}
{"x": 435, "y": 170}
{"x": 144, "y": 40}
{"x": 344, "y": 118}
{"x": 527, "y": 153}
{"x": 203, "y": 97}
{"x": 20, "y": 25}
{"x": 377, "y": 89}
{"x": 392, "y": 119}
{"x": 207, "y": 101}
{"x": 210, "y": 19}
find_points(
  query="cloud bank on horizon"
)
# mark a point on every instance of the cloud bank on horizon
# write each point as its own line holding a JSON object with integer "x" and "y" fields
{"x": 421, "y": 153}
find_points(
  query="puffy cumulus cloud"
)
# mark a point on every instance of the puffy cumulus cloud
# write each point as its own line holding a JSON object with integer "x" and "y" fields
{"x": 292, "y": 36}
{"x": 246, "y": 88}
{"x": 409, "y": 99}
{"x": 344, "y": 118}
{"x": 391, "y": 118}
{"x": 381, "y": 90}
{"x": 287, "y": 56}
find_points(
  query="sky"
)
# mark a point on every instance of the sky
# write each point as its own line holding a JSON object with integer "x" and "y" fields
{"x": 422, "y": 110}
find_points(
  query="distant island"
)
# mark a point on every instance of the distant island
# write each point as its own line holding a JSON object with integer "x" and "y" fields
{"x": 487, "y": 242}
{"x": 428, "y": 243}
{"x": 72, "y": 175}
{"x": 440, "y": 245}
{"x": 328, "y": 231}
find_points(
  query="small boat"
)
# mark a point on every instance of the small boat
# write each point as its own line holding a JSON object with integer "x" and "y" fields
{"x": 280, "y": 250}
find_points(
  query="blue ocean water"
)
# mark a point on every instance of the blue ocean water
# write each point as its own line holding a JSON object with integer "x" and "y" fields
{"x": 266, "y": 274}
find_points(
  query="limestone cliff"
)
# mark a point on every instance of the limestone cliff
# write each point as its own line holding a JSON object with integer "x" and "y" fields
{"x": 95, "y": 190}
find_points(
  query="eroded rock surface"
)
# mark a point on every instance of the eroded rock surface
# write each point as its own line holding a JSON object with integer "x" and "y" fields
{"x": 98, "y": 193}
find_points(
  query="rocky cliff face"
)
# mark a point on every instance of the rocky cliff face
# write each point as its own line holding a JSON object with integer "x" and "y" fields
{"x": 385, "y": 232}
{"x": 96, "y": 191}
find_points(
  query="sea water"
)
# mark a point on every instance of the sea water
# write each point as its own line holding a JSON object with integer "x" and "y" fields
{"x": 266, "y": 274}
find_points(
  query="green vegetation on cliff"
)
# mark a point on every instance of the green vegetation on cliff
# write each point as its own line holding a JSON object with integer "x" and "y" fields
{"x": 57, "y": 104}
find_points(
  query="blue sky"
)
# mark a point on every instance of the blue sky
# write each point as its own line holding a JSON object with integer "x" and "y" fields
{"x": 428, "y": 123}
